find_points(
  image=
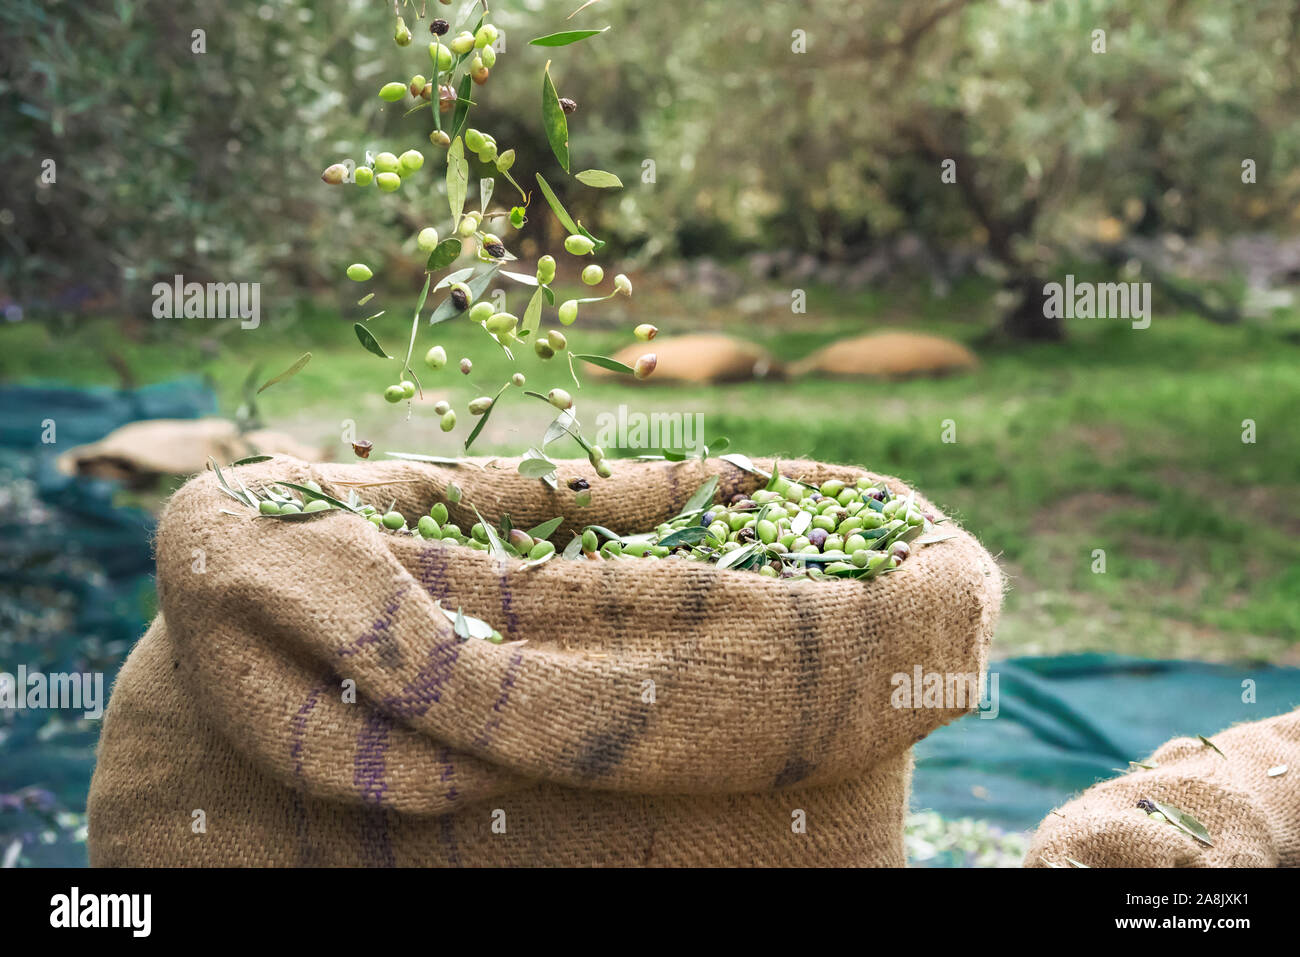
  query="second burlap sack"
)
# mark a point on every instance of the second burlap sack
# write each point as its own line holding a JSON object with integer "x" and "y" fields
{"x": 1252, "y": 816}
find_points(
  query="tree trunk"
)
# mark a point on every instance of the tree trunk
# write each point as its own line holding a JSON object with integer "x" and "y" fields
{"x": 1026, "y": 319}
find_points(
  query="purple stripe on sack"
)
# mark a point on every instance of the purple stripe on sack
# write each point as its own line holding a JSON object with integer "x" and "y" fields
{"x": 507, "y": 682}
{"x": 448, "y": 773}
{"x": 308, "y": 855}
{"x": 433, "y": 569}
{"x": 380, "y": 630}
{"x": 425, "y": 690}
{"x": 369, "y": 779}
{"x": 507, "y": 607}
{"x": 299, "y": 727}
{"x": 797, "y": 767}
{"x": 600, "y": 752}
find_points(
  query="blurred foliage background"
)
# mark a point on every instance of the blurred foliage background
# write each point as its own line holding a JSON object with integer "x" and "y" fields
{"x": 174, "y": 161}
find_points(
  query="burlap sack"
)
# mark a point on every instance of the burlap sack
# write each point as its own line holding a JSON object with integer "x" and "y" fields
{"x": 1253, "y": 819}
{"x": 701, "y": 357}
{"x": 888, "y": 355}
{"x": 139, "y": 452}
{"x": 771, "y": 699}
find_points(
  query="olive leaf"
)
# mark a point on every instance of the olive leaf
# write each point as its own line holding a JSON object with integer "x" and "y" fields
{"x": 447, "y": 309}
{"x": 580, "y": 9}
{"x": 310, "y": 493}
{"x": 743, "y": 462}
{"x": 1210, "y": 744}
{"x": 703, "y": 496}
{"x": 464, "y": 625}
{"x": 251, "y": 460}
{"x": 369, "y": 341}
{"x": 613, "y": 365}
{"x": 443, "y": 255}
{"x": 288, "y": 373}
{"x": 573, "y": 549}
{"x": 739, "y": 555}
{"x": 557, "y": 207}
{"x": 565, "y": 37}
{"x": 557, "y": 127}
{"x": 245, "y": 499}
{"x": 495, "y": 547}
{"x": 457, "y": 178}
{"x": 536, "y": 467}
{"x": 482, "y": 421}
{"x": 485, "y": 187}
{"x": 524, "y": 278}
{"x": 532, "y": 316}
{"x": 454, "y": 277}
{"x": 598, "y": 179}
{"x": 799, "y": 524}
{"x": 546, "y": 529}
{"x": 1184, "y": 822}
{"x": 461, "y": 113}
{"x": 689, "y": 535}
{"x": 1278, "y": 771}
{"x": 452, "y": 493}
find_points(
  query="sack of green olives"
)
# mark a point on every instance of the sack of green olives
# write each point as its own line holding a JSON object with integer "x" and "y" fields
{"x": 424, "y": 663}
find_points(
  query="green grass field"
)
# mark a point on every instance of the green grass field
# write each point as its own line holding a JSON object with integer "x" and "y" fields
{"x": 1122, "y": 440}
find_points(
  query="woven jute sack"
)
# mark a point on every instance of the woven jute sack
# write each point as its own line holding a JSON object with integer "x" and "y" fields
{"x": 656, "y": 712}
{"x": 1252, "y": 817}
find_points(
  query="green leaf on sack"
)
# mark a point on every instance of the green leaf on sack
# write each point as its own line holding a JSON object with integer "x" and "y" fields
{"x": 934, "y": 539}
{"x": 672, "y": 455}
{"x": 288, "y": 373}
{"x": 368, "y": 340}
{"x": 252, "y": 460}
{"x": 703, "y": 496}
{"x": 776, "y": 475}
{"x": 532, "y": 316}
{"x": 536, "y": 468}
{"x": 546, "y": 529}
{"x": 565, "y": 37}
{"x": 465, "y": 626}
{"x": 573, "y": 549}
{"x": 495, "y": 548}
{"x": 720, "y": 444}
{"x": 689, "y": 535}
{"x": 482, "y": 421}
{"x": 310, "y": 493}
{"x": 1210, "y": 744}
{"x": 1184, "y": 822}
{"x": 557, "y": 127}
{"x": 557, "y": 207}
{"x": 738, "y": 555}
{"x": 457, "y": 178}
{"x": 245, "y": 499}
{"x": 743, "y": 462}
{"x": 598, "y": 179}
{"x": 443, "y": 255}
{"x": 447, "y": 309}
{"x": 613, "y": 365}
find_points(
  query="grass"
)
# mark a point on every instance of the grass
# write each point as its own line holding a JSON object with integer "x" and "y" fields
{"x": 1120, "y": 440}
